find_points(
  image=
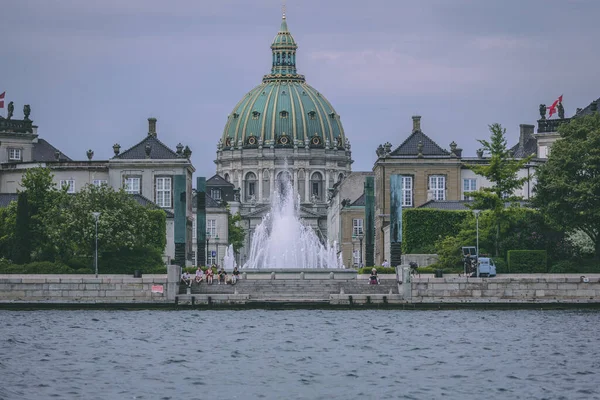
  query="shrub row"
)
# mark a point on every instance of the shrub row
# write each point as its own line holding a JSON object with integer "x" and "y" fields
{"x": 527, "y": 261}
{"x": 422, "y": 227}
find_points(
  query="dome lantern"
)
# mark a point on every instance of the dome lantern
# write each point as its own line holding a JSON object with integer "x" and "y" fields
{"x": 284, "y": 53}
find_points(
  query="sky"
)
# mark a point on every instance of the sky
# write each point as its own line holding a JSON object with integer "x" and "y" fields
{"x": 95, "y": 71}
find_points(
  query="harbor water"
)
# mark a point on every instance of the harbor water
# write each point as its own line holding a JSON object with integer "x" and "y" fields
{"x": 299, "y": 354}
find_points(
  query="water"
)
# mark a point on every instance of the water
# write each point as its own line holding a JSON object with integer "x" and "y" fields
{"x": 299, "y": 354}
{"x": 281, "y": 240}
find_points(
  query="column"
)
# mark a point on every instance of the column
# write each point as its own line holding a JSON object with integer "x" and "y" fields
{"x": 326, "y": 182}
{"x": 240, "y": 174}
{"x": 295, "y": 183}
{"x": 306, "y": 186}
{"x": 260, "y": 185}
{"x": 272, "y": 181}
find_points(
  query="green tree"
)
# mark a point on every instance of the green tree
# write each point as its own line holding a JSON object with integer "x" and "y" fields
{"x": 502, "y": 171}
{"x": 236, "y": 234}
{"x": 21, "y": 253}
{"x": 568, "y": 187}
{"x": 8, "y": 222}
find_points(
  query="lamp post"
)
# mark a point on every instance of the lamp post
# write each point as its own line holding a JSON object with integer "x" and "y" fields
{"x": 207, "y": 239}
{"x": 96, "y": 215}
{"x": 353, "y": 248}
{"x": 360, "y": 239}
{"x": 217, "y": 247}
{"x": 477, "y": 240}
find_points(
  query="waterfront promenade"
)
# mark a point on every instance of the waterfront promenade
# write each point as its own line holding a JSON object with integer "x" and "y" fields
{"x": 326, "y": 288}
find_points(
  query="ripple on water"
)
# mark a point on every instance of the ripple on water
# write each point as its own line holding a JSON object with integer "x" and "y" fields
{"x": 314, "y": 354}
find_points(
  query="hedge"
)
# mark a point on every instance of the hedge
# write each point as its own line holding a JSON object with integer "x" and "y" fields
{"x": 422, "y": 227}
{"x": 40, "y": 267}
{"x": 380, "y": 270}
{"x": 527, "y": 261}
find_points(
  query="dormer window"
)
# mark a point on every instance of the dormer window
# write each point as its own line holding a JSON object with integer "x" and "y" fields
{"x": 303, "y": 93}
{"x": 283, "y": 114}
{"x": 283, "y": 93}
{"x": 255, "y": 114}
{"x": 235, "y": 115}
{"x": 15, "y": 155}
{"x": 312, "y": 114}
{"x": 332, "y": 115}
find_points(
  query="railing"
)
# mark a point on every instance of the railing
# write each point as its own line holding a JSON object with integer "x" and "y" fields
{"x": 551, "y": 125}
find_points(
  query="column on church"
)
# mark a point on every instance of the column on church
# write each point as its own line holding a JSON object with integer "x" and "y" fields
{"x": 260, "y": 185}
{"x": 295, "y": 183}
{"x": 240, "y": 186}
{"x": 307, "y": 186}
{"x": 326, "y": 181}
{"x": 272, "y": 182}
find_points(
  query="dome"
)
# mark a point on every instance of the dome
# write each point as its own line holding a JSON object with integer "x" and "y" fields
{"x": 283, "y": 111}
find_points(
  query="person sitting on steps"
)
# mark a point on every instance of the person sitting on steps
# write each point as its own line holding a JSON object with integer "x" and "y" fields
{"x": 222, "y": 276}
{"x": 374, "y": 279}
{"x": 186, "y": 279}
{"x": 209, "y": 275}
{"x": 235, "y": 275}
{"x": 199, "y": 276}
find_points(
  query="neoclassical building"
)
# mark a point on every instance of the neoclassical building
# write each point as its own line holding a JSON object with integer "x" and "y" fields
{"x": 283, "y": 129}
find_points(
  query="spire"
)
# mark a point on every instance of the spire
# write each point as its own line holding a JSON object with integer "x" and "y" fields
{"x": 284, "y": 50}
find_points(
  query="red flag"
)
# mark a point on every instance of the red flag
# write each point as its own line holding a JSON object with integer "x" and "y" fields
{"x": 2, "y": 99}
{"x": 552, "y": 108}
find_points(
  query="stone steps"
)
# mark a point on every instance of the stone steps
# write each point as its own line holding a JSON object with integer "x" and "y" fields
{"x": 294, "y": 288}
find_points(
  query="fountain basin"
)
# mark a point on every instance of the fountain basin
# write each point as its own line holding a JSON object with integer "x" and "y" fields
{"x": 299, "y": 273}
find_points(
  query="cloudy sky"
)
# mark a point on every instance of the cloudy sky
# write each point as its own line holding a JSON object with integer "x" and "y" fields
{"x": 94, "y": 71}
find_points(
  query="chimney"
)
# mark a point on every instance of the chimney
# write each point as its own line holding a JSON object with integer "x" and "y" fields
{"x": 526, "y": 133}
{"x": 416, "y": 123}
{"x": 152, "y": 127}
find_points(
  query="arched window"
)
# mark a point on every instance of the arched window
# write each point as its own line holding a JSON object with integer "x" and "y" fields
{"x": 227, "y": 178}
{"x": 250, "y": 187}
{"x": 284, "y": 182}
{"x": 316, "y": 187}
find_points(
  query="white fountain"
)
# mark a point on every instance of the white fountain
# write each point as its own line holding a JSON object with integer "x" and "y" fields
{"x": 229, "y": 260}
{"x": 282, "y": 241}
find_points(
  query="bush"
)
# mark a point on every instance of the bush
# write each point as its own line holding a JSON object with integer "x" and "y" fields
{"x": 380, "y": 270}
{"x": 126, "y": 261}
{"x": 527, "y": 261}
{"x": 501, "y": 266}
{"x": 575, "y": 266}
{"x": 40, "y": 267}
{"x": 422, "y": 227}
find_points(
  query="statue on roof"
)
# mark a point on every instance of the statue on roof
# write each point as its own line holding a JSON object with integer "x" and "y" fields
{"x": 11, "y": 110}
{"x": 543, "y": 111}
{"x": 379, "y": 150}
{"x": 26, "y": 112}
{"x": 561, "y": 110}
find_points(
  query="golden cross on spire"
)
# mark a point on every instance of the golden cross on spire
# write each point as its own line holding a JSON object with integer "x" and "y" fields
{"x": 283, "y": 9}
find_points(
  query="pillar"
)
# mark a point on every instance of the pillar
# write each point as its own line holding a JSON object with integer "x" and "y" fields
{"x": 201, "y": 220}
{"x": 307, "y": 186}
{"x": 179, "y": 196}
{"x": 395, "y": 220}
{"x": 369, "y": 221}
{"x": 260, "y": 186}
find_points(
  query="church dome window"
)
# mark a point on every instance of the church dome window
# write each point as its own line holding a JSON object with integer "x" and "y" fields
{"x": 283, "y": 114}
{"x": 332, "y": 115}
{"x": 255, "y": 114}
{"x": 312, "y": 115}
{"x": 235, "y": 115}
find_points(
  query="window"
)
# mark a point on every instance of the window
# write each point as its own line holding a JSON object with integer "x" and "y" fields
{"x": 469, "y": 185}
{"x": 357, "y": 227}
{"x": 215, "y": 194}
{"x": 407, "y": 191}
{"x": 69, "y": 184}
{"x": 211, "y": 227}
{"x": 316, "y": 186}
{"x": 437, "y": 185}
{"x": 132, "y": 184}
{"x": 212, "y": 257}
{"x": 355, "y": 257}
{"x": 14, "y": 154}
{"x": 99, "y": 182}
{"x": 312, "y": 115}
{"x": 194, "y": 227}
{"x": 255, "y": 114}
{"x": 283, "y": 114}
{"x": 543, "y": 152}
{"x": 163, "y": 191}
{"x": 250, "y": 192}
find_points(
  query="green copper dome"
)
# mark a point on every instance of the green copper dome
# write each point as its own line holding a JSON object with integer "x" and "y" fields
{"x": 283, "y": 111}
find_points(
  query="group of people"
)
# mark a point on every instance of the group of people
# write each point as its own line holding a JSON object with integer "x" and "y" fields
{"x": 209, "y": 276}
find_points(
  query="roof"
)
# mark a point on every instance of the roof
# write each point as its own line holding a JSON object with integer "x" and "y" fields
{"x": 144, "y": 201}
{"x": 44, "y": 152}
{"x": 529, "y": 148}
{"x": 210, "y": 202}
{"x": 410, "y": 146}
{"x": 283, "y": 111}
{"x": 360, "y": 202}
{"x": 6, "y": 198}
{"x": 158, "y": 151}
{"x": 218, "y": 180}
{"x": 588, "y": 109}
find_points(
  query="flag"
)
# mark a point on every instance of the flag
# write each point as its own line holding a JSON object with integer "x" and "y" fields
{"x": 552, "y": 108}
{"x": 2, "y": 99}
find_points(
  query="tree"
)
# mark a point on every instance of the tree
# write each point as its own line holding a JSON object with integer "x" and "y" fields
{"x": 21, "y": 253}
{"x": 502, "y": 171}
{"x": 236, "y": 234}
{"x": 8, "y": 222}
{"x": 568, "y": 187}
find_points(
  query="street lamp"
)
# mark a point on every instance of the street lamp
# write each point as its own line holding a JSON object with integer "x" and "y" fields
{"x": 217, "y": 247}
{"x": 96, "y": 215}
{"x": 477, "y": 242}
{"x": 207, "y": 239}
{"x": 360, "y": 239}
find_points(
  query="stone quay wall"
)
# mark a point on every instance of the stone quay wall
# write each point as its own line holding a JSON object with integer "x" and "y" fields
{"x": 78, "y": 289}
{"x": 550, "y": 288}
